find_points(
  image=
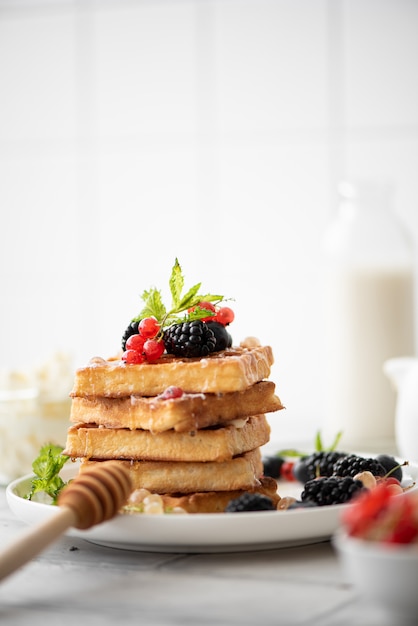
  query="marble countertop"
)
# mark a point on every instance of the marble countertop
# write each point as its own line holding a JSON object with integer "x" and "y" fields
{"x": 77, "y": 581}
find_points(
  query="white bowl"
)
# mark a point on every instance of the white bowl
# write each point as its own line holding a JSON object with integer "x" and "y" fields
{"x": 383, "y": 574}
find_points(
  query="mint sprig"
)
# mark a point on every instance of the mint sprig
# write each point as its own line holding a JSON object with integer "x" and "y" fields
{"x": 319, "y": 447}
{"x": 180, "y": 302}
{"x": 46, "y": 468}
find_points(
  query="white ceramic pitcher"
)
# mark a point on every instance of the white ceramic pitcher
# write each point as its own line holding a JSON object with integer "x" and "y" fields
{"x": 403, "y": 373}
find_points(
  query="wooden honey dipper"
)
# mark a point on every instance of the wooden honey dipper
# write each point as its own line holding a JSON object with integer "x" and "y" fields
{"x": 94, "y": 496}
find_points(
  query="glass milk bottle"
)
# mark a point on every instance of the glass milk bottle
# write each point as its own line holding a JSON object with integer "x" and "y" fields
{"x": 368, "y": 316}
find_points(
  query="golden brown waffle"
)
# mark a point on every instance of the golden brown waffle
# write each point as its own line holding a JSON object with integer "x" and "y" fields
{"x": 170, "y": 477}
{"x": 234, "y": 369}
{"x": 187, "y": 413}
{"x": 216, "y": 501}
{"x": 214, "y": 444}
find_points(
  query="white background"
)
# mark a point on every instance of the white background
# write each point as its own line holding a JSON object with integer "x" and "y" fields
{"x": 132, "y": 132}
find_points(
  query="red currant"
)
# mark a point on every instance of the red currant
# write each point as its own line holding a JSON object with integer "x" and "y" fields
{"x": 135, "y": 342}
{"x": 286, "y": 471}
{"x": 153, "y": 349}
{"x": 172, "y": 392}
{"x": 132, "y": 357}
{"x": 148, "y": 327}
{"x": 225, "y": 315}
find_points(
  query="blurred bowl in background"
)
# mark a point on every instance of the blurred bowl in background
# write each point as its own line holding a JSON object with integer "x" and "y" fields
{"x": 34, "y": 411}
{"x": 382, "y": 574}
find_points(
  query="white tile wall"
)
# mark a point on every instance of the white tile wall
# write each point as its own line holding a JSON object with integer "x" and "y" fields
{"x": 132, "y": 132}
{"x": 271, "y": 66}
{"x": 145, "y": 70}
{"x": 38, "y": 76}
{"x": 381, "y": 52}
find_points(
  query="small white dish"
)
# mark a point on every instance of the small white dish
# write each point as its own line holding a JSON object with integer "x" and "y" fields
{"x": 382, "y": 574}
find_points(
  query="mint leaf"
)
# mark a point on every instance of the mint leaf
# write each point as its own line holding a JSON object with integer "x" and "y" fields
{"x": 51, "y": 487}
{"x": 154, "y": 306}
{"x": 190, "y": 298}
{"x": 208, "y": 297}
{"x": 336, "y": 441}
{"x": 290, "y": 452}
{"x": 319, "y": 447}
{"x": 176, "y": 284}
{"x": 318, "y": 442}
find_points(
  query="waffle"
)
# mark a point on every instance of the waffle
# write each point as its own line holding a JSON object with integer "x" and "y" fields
{"x": 214, "y": 444}
{"x": 241, "y": 473}
{"x": 216, "y": 501}
{"x": 187, "y": 413}
{"x": 234, "y": 369}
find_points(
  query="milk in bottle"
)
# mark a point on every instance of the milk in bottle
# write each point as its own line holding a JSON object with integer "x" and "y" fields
{"x": 369, "y": 316}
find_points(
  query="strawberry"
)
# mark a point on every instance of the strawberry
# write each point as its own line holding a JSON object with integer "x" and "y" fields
{"x": 383, "y": 514}
{"x": 365, "y": 509}
{"x": 405, "y": 531}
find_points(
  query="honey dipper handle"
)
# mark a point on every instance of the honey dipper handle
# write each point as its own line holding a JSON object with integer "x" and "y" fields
{"x": 35, "y": 540}
{"x": 93, "y": 497}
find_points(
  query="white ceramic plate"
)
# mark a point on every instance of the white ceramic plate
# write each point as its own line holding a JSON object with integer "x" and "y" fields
{"x": 226, "y": 532}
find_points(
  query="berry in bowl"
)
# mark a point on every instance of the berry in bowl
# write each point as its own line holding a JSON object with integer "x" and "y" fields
{"x": 378, "y": 548}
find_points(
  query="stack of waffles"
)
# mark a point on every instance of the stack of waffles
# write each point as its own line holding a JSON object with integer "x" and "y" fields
{"x": 189, "y": 429}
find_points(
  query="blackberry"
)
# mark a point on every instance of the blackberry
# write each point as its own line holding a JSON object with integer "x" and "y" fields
{"x": 272, "y": 465}
{"x": 222, "y": 336}
{"x": 189, "y": 339}
{"x": 317, "y": 464}
{"x": 132, "y": 329}
{"x": 250, "y": 502}
{"x": 352, "y": 464}
{"x": 331, "y": 490}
